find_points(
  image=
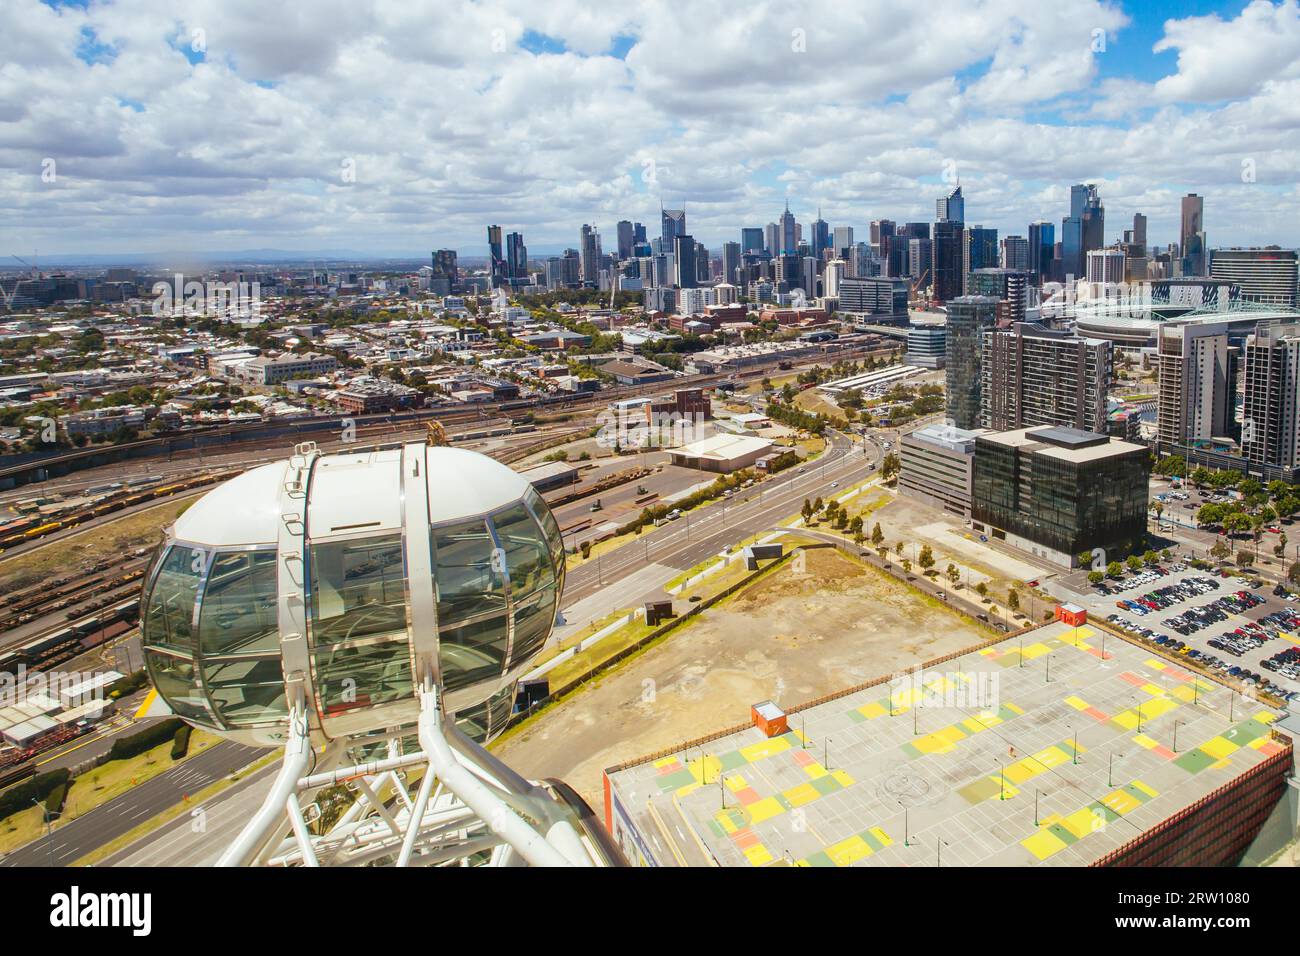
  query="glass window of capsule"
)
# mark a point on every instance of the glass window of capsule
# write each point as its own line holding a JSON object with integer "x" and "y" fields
{"x": 212, "y": 639}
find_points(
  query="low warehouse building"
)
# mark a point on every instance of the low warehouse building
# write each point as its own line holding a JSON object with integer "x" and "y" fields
{"x": 721, "y": 453}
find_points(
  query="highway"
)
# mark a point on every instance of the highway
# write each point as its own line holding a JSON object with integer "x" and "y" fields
{"x": 123, "y": 814}
{"x": 696, "y": 536}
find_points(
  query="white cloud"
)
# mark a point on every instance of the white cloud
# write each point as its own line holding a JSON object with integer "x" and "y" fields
{"x": 450, "y": 124}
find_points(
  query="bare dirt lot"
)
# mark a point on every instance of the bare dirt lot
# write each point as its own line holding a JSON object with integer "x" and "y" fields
{"x": 792, "y": 636}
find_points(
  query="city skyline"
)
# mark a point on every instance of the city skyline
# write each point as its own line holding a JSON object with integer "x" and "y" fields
{"x": 390, "y": 132}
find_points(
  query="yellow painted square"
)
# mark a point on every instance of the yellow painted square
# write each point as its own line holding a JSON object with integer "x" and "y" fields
{"x": 758, "y": 855}
{"x": 735, "y": 783}
{"x": 724, "y": 820}
{"x": 1013, "y": 708}
{"x": 764, "y": 809}
{"x": 1142, "y": 740}
{"x": 847, "y": 852}
{"x": 1266, "y": 717}
{"x": 1077, "y": 703}
{"x": 804, "y": 793}
{"x": 1052, "y": 756}
{"x": 872, "y": 710}
{"x": 1158, "y": 707}
{"x": 1149, "y": 791}
{"x": 1085, "y": 632}
{"x": 1120, "y": 802}
{"x": 1184, "y": 693}
{"x": 814, "y": 771}
{"x": 1036, "y": 650}
{"x": 842, "y": 778}
{"x": 1128, "y": 719}
{"x": 882, "y": 836}
{"x": 952, "y": 734}
{"x": 1219, "y": 748}
{"x": 664, "y": 761}
{"x": 1043, "y": 844}
{"x": 764, "y": 748}
{"x": 1155, "y": 690}
{"x": 1022, "y": 770}
{"x": 1080, "y": 822}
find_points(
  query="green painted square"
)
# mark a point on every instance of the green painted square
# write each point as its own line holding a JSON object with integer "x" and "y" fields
{"x": 1136, "y": 793}
{"x": 856, "y": 717}
{"x": 1062, "y": 834}
{"x": 1244, "y": 732}
{"x": 1194, "y": 761}
{"x": 785, "y": 804}
{"x": 872, "y": 841}
{"x": 1006, "y": 713}
{"x": 826, "y": 785}
{"x": 1106, "y": 811}
{"x": 911, "y": 751}
{"x": 716, "y": 827}
{"x": 732, "y": 760}
{"x": 672, "y": 781}
{"x": 820, "y": 859}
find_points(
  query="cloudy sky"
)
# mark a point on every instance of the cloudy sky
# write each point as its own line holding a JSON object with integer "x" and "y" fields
{"x": 399, "y": 126}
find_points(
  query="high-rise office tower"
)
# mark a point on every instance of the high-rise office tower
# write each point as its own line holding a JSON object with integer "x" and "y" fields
{"x": 1266, "y": 276}
{"x": 626, "y": 239}
{"x": 1031, "y": 375}
{"x": 1009, "y": 286}
{"x": 841, "y": 240}
{"x": 920, "y": 261}
{"x": 946, "y": 239}
{"x": 789, "y": 241}
{"x": 589, "y": 254}
{"x": 772, "y": 239}
{"x": 821, "y": 237}
{"x": 979, "y": 250}
{"x": 968, "y": 317}
{"x": 1083, "y": 230}
{"x": 751, "y": 239}
{"x": 496, "y": 260}
{"x": 951, "y": 208}
{"x": 1106, "y": 265}
{"x": 1198, "y": 382}
{"x": 881, "y": 230}
{"x": 703, "y": 265}
{"x": 638, "y": 233}
{"x": 1014, "y": 253}
{"x": 1192, "y": 235}
{"x": 516, "y": 256}
{"x": 686, "y": 272}
{"x": 673, "y": 224}
{"x": 1042, "y": 242}
{"x": 731, "y": 262}
{"x": 1139, "y": 234}
{"x": 1269, "y": 432}
{"x": 832, "y": 276}
{"x": 445, "y": 273}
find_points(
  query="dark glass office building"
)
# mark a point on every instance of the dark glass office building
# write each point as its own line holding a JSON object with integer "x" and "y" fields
{"x": 968, "y": 317}
{"x": 1057, "y": 492}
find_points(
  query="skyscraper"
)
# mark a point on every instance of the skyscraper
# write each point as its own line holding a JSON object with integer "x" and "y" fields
{"x": 516, "y": 256}
{"x": 772, "y": 239}
{"x": 626, "y": 239}
{"x": 731, "y": 262}
{"x": 686, "y": 271}
{"x": 951, "y": 208}
{"x": 1192, "y": 235}
{"x": 673, "y": 225}
{"x": 979, "y": 250}
{"x": 751, "y": 239}
{"x": 445, "y": 273}
{"x": 1031, "y": 375}
{"x": 1198, "y": 382}
{"x": 496, "y": 261}
{"x": 1042, "y": 240}
{"x": 881, "y": 230}
{"x": 968, "y": 317}
{"x": 821, "y": 237}
{"x": 789, "y": 241}
{"x": 589, "y": 254}
{"x": 946, "y": 240}
{"x": 1270, "y": 435}
{"x": 1015, "y": 253}
{"x": 842, "y": 239}
{"x": 1083, "y": 230}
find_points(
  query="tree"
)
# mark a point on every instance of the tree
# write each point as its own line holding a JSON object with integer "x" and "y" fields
{"x": 1158, "y": 507}
{"x": 1013, "y": 599}
{"x": 1293, "y": 573}
{"x": 818, "y": 504}
{"x": 982, "y": 589}
{"x": 877, "y": 535}
{"x": 1115, "y": 569}
{"x": 1220, "y": 549}
{"x": 890, "y": 466}
{"x": 1084, "y": 558}
{"x": 1151, "y": 558}
{"x": 1095, "y": 577}
{"x": 858, "y": 537}
{"x": 1133, "y": 562}
{"x": 807, "y": 510}
{"x": 926, "y": 558}
{"x": 907, "y": 565}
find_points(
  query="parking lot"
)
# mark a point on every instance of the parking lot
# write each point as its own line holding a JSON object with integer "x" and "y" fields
{"x": 1185, "y": 609}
